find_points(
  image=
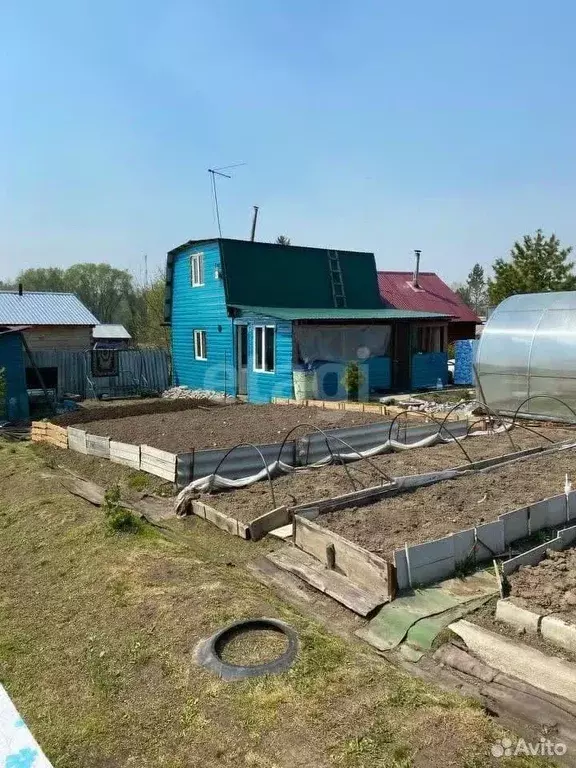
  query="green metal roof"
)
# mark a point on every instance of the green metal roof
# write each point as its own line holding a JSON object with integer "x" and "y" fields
{"x": 295, "y": 276}
{"x": 338, "y": 314}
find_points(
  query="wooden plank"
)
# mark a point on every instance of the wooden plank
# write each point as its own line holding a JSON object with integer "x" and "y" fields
{"x": 157, "y": 453}
{"x": 362, "y": 567}
{"x": 219, "y": 519}
{"x": 98, "y": 446}
{"x": 330, "y": 583}
{"x": 77, "y": 439}
{"x": 158, "y": 462}
{"x": 57, "y": 431}
{"x": 268, "y": 521}
{"x": 84, "y": 489}
{"x": 364, "y": 495}
{"x": 125, "y": 453}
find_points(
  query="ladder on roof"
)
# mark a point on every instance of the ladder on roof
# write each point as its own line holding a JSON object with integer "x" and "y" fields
{"x": 338, "y": 292}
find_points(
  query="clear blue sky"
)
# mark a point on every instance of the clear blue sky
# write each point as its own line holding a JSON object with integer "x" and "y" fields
{"x": 373, "y": 125}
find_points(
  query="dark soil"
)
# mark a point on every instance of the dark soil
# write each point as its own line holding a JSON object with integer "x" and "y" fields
{"x": 89, "y": 412}
{"x": 305, "y": 486}
{"x": 222, "y": 426}
{"x": 550, "y": 586}
{"x": 452, "y": 505}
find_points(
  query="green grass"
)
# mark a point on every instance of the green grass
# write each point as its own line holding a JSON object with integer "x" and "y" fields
{"x": 97, "y": 636}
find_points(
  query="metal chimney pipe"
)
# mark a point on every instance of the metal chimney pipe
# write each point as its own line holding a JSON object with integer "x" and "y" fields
{"x": 254, "y": 220}
{"x": 417, "y": 269}
{"x": 20, "y": 289}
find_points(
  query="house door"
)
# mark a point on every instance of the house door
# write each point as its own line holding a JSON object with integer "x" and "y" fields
{"x": 402, "y": 355}
{"x": 241, "y": 358}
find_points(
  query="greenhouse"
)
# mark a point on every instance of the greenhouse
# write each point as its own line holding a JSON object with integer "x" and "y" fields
{"x": 526, "y": 357}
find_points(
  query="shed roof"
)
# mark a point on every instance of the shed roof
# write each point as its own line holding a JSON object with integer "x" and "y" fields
{"x": 433, "y": 295}
{"x": 110, "y": 331}
{"x": 43, "y": 308}
{"x": 292, "y": 313}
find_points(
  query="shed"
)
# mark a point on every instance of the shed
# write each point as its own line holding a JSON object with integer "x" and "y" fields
{"x": 53, "y": 320}
{"x": 526, "y": 356}
{"x": 13, "y": 394}
{"x": 110, "y": 336}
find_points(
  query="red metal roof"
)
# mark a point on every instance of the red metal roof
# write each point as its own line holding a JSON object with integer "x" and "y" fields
{"x": 433, "y": 295}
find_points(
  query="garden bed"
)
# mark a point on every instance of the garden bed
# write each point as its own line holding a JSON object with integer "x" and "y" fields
{"x": 453, "y": 505}
{"x": 549, "y": 587}
{"x": 219, "y": 426}
{"x": 304, "y": 486}
{"x": 91, "y": 411}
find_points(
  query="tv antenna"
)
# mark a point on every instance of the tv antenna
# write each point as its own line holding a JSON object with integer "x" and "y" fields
{"x": 218, "y": 172}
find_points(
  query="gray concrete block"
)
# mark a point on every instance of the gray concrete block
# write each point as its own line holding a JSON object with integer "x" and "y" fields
{"x": 568, "y": 536}
{"x": 515, "y": 525}
{"x": 463, "y": 545}
{"x": 401, "y": 565}
{"x": 532, "y": 557}
{"x": 490, "y": 540}
{"x": 432, "y": 572}
{"x": 431, "y": 551}
{"x": 548, "y": 513}
{"x": 557, "y": 513}
{"x": 559, "y": 632}
{"x": 572, "y": 505}
{"x": 517, "y": 617}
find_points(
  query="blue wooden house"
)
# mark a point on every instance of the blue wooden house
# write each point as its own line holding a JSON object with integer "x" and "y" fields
{"x": 251, "y": 318}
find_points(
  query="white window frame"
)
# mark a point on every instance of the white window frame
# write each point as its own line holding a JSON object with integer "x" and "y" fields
{"x": 200, "y": 346}
{"x": 197, "y": 269}
{"x": 264, "y": 328}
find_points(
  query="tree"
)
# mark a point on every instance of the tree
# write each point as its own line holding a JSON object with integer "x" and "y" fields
{"x": 463, "y": 290}
{"x": 283, "y": 240}
{"x": 476, "y": 285}
{"x": 537, "y": 264}
{"x": 107, "y": 292}
{"x": 149, "y": 325}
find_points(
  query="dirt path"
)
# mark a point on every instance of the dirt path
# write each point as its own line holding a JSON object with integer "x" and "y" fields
{"x": 223, "y": 426}
{"x": 452, "y": 505}
{"x": 310, "y": 485}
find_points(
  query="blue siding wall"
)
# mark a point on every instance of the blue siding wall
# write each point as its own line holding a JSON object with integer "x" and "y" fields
{"x": 201, "y": 308}
{"x": 263, "y": 386}
{"x": 427, "y": 368}
{"x": 12, "y": 360}
{"x": 379, "y": 370}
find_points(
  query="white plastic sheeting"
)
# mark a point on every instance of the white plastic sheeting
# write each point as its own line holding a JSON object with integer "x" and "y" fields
{"x": 275, "y": 468}
{"x": 334, "y": 343}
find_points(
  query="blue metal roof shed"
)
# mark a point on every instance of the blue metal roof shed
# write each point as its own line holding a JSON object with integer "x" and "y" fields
{"x": 43, "y": 308}
{"x": 13, "y": 394}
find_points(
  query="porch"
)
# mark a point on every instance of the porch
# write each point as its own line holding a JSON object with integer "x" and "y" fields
{"x": 304, "y": 353}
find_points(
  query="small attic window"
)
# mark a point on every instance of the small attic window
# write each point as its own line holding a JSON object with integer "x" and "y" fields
{"x": 197, "y": 269}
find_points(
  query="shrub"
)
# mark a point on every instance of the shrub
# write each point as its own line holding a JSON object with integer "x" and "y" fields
{"x": 353, "y": 379}
{"x": 118, "y": 517}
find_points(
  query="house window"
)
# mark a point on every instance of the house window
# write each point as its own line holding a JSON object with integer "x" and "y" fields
{"x": 197, "y": 269}
{"x": 264, "y": 348}
{"x": 200, "y": 345}
{"x": 430, "y": 338}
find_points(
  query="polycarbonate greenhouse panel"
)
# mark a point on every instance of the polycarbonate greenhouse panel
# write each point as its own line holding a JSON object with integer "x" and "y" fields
{"x": 527, "y": 352}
